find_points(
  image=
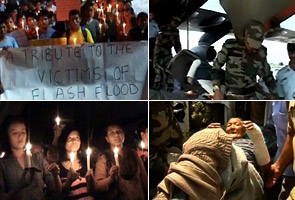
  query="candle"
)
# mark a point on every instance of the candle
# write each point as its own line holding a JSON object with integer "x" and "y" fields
{"x": 124, "y": 30}
{"x": 2, "y": 154}
{"x": 116, "y": 155}
{"x": 37, "y": 32}
{"x": 117, "y": 8}
{"x": 104, "y": 20}
{"x": 29, "y": 155}
{"x": 117, "y": 14}
{"x": 142, "y": 144}
{"x": 14, "y": 27}
{"x": 75, "y": 40}
{"x": 109, "y": 9}
{"x": 57, "y": 119}
{"x": 100, "y": 27}
{"x": 72, "y": 158}
{"x": 88, "y": 153}
{"x": 23, "y": 24}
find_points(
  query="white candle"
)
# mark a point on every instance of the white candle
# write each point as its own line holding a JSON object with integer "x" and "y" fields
{"x": 116, "y": 155}
{"x": 124, "y": 30}
{"x": 104, "y": 20}
{"x": 117, "y": 8}
{"x": 37, "y": 32}
{"x": 57, "y": 119}
{"x": 14, "y": 27}
{"x": 100, "y": 27}
{"x": 117, "y": 14}
{"x": 72, "y": 158}
{"x": 29, "y": 155}
{"x": 75, "y": 40}
{"x": 142, "y": 144}
{"x": 88, "y": 153}
{"x": 23, "y": 24}
{"x": 109, "y": 9}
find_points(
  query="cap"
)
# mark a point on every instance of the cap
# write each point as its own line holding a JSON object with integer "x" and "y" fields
{"x": 254, "y": 34}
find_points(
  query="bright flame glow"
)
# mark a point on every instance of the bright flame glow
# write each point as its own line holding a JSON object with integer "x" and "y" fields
{"x": 116, "y": 150}
{"x": 57, "y": 119}
{"x": 88, "y": 151}
{"x": 142, "y": 144}
{"x": 2, "y": 155}
{"x": 72, "y": 157}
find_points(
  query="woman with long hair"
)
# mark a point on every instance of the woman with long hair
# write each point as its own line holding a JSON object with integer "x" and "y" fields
{"x": 22, "y": 176}
{"x": 121, "y": 176}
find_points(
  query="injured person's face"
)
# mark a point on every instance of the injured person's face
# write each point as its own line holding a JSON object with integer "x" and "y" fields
{"x": 235, "y": 126}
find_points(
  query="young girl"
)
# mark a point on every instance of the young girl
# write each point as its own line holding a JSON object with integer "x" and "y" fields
{"x": 122, "y": 179}
{"x": 18, "y": 180}
{"x": 76, "y": 181}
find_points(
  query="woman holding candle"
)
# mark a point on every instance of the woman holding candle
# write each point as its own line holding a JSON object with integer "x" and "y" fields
{"x": 17, "y": 179}
{"x": 120, "y": 175}
{"x": 76, "y": 180}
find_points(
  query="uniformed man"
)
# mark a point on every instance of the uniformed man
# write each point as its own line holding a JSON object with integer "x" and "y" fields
{"x": 286, "y": 76}
{"x": 287, "y": 152}
{"x": 168, "y": 37}
{"x": 244, "y": 59}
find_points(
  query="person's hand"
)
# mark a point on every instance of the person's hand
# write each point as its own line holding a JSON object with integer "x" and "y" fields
{"x": 192, "y": 94}
{"x": 218, "y": 95}
{"x": 89, "y": 176}
{"x": 27, "y": 178}
{"x": 273, "y": 176}
{"x": 58, "y": 130}
{"x": 190, "y": 80}
{"x": 72, "y": 175}
{"x": 214, "y": 125}
{"x": 114, "y": 172}
{"x": 249, "y": 125}
{"x": 54, "y": 169}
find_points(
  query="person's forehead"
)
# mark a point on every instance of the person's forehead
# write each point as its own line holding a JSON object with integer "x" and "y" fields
{"x": 15, "y": 125}
{"x": 110, "y": 128}
{"x": 235, "y": 120}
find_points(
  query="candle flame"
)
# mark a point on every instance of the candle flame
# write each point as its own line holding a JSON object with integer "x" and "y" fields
{"x": 142, "y": 144}
{"x": 75, "y": 39}
{"x": 88, "y": 151}
{"x": 28, "y": 148}
{"x": 124, "y": 24}
{"x": 57, "y": 119}
{"x": 116, "y": 150}
{"x": 2, "y": 155}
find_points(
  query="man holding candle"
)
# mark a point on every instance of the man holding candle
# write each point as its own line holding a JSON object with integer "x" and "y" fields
{"x": 122, "y": 179}
{"x": 81, "y": 34}
{"x": 22, "y": 176}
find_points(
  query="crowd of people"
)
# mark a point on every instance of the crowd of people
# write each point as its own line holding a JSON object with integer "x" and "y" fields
{"x": 64, "y": 171}
{"x": 95, "y": 22}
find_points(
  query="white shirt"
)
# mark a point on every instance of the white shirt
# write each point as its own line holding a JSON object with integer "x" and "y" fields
{"x": 285, "y": 83}
{"x": 52, "y": 8}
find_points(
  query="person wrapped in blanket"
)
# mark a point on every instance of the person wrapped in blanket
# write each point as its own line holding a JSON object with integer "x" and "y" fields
{"x": 213, "y": 167}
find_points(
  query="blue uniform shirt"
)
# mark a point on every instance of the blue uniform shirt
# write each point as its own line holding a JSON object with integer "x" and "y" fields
{"x": 285, "y": 83}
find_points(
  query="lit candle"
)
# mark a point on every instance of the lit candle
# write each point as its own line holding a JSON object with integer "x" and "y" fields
{"x": 109, "y": 9}
{"x": 117, "y": 8}
{"x": 117, "y": 14}
{"x": 72, "y": 158}
{"x": 2, "y": 154}
{"x": 116, "y": 155}
{"x": 75, "y": 40}
{"x": 14, "y": 27}
{"x": 29, "y": 155}
{"x": 100, "y": 27}
{"x": 23, "y": 24}
{"x": 57, "y": 119}
{"x": 124, "y": 30}
{"x": 37, "y": 32}
{"x": 104, "y": 20}
{"x": 142, "y": 144}
{"x": 88, "y": 153}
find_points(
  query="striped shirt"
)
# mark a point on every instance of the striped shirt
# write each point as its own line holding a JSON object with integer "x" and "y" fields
{"x": 79, "y": 187}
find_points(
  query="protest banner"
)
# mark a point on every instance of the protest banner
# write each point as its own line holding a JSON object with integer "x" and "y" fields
{"x": 73, "y": 72}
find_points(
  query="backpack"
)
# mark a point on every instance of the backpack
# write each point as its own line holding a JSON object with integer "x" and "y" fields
{"x": 83, "y": 32}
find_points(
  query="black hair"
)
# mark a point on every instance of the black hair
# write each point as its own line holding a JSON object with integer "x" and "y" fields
{"x": 291, "y": 47}
{"x": 211, "y": 53}
{"x": 74, "y": 12}
{"x": 4, "y": 131}
{"x": 113, "y": 124}
{"x": 62, "y": 142}
{"x": 2, "y": 22}
{"x": 142, "y": 15}
{"x": 31, "y": 14}
{"x": 43, "y": 13}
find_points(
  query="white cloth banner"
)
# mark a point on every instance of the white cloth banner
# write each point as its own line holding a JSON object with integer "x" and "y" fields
{"x": 114, "y": 71}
